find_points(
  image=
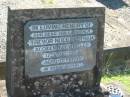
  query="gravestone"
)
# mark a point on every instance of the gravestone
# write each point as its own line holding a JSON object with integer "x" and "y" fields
{"x": 55, "y": 52}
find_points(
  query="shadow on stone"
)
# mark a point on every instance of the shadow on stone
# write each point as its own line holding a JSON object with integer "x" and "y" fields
{"x": 2, "y": 71}
{"x": 113, "y": 4}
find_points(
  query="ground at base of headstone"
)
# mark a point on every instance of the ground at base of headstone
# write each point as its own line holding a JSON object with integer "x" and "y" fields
{"x": 75, "y": 96}
{"x": 99, "y": 94}
{"x": 64, "y": 95}
{"x": 88, "y": 94}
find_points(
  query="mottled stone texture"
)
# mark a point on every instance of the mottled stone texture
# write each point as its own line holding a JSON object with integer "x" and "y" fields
{"x": 80, "y": 84}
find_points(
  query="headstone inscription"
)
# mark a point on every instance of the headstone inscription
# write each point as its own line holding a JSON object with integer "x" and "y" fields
{"x": 59, "y": 46}
{"x": 55, "y": 52}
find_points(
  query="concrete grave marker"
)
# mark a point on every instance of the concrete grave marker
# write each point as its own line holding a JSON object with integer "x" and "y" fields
{"x": 55, "y": 52}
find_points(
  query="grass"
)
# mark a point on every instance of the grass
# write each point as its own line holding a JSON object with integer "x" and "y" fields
{"x": 123, "y": 78}
{"x": 116, "y": 72}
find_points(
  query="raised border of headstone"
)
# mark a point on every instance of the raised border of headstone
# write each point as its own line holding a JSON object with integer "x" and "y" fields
{"x": 79, "y": 84}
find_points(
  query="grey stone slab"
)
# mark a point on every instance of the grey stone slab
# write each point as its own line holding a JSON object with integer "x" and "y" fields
{"x": 59, "y": 46}
{"x": 66, "y": 84}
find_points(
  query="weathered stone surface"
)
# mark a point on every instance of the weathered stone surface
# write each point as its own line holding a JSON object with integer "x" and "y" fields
{"x": 17, "y": 4}
{"x": 76, "y": 84}
{"x": 3, "y": 32}
{"x": 117, "y": 26}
